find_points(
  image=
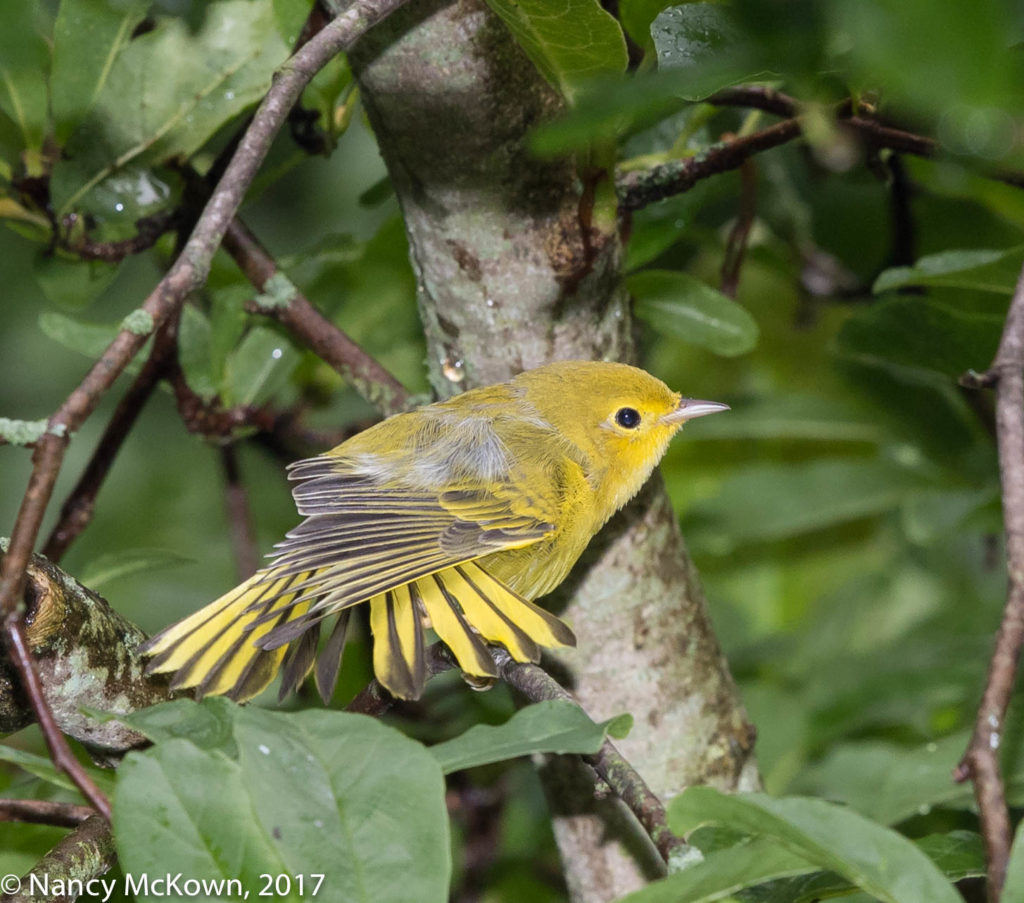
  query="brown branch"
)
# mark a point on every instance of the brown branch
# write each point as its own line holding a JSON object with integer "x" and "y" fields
{"x": 236, "y": 497}
{"x": 643, "y": 187}
{"x": 84, "y": 854}
{"x": 537, "y": 685}
{"x": 758, "y": 97}
{"x": 312, "y": 328}
{"x": 150, "y": 228}
{"x": 981, "y": 760}
{"x": 44, "y": 812}
{"x": 187, "y": 273}
{"x": 736, "y": 246}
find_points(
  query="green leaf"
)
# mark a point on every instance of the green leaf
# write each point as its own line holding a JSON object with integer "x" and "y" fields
{"x": 874, "y": 858}
{"x": 106, "y": 569}
{"x": 209, "y": 724}
{"x": 889, "y": 783}
{"x": 982, "y": 270}
{"x": 920, "y": 340}
{"x": 195, "y": 351}
{"x": 637, "y": 15}
{"x": 774, "y": 501}
{"x": 682, "y": 306}
{"x": 958, "y": 854}
{"x": 1013, "y": 890}
{"x": 258, "y": 367}
{"x": 570, "y": 44}
{"x": 306, "y": 793}
{"x": 87, "y": 37}
{"x": 90, "y": 339}
{"x": 555, "y": 726}
{"x": 71, "y": 284}
{"x": 723, "y": 873}
{"x": 182, "y": 809}
{"x": 44, "y": 769}
{"x": 40, "y": 766}
{"x": 169, "y": 90}
{"x": 931, "y": 514}
{"x": 350, "y": 797}
{"x": 24, "y": 65}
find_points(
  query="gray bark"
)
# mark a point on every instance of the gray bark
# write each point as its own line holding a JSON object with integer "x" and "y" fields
{"x": 511, "y": 275}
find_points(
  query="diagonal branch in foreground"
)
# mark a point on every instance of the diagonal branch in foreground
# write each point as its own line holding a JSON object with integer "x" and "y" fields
{"x": 187, "y": 273}
{"x": 295, "y": 312}
{"x": 609, "y": 764}
{"x": 981, "y": 760}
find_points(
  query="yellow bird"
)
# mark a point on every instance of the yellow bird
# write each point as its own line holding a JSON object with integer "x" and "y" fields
{"x": 453, "y": 516}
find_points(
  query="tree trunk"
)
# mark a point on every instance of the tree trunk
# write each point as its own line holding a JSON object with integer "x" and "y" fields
{"x": 512, "y": 274}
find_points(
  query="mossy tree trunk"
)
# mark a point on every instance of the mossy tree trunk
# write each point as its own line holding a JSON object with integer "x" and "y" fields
{"x": 511, "y": 274}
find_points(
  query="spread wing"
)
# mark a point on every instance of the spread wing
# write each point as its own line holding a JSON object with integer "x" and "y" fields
{"x": 367, "y": 532}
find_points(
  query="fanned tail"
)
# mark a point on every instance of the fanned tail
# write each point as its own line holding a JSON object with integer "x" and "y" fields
{"x": 236, "y": 645}
{"x": 219, "y": 650}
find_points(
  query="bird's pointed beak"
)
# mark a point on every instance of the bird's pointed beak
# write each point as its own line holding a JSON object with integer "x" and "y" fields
{"x": 689, "y": 408}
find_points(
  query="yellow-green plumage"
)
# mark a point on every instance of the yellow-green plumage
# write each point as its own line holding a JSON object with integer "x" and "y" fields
{"x": 455, "y": 515}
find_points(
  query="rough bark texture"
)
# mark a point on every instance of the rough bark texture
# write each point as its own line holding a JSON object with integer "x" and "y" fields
{"x": 512, "y": 275}
{"x": 83, "y": 855}
{"x": 86, "y": 655}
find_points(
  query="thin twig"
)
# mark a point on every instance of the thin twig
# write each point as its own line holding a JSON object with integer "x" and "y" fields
{"x": 236, "y": 497}
{"x": 643, "y": 187}
{"x": 187, "y": 273}
{"x": 736, "y": 246}
{"x": 44, "y": 812}
{"x": 981, "y": 760}
{"x": 758, "y": 97}
{"x": 313, "y": 329}
{"x": 150, "y": 228}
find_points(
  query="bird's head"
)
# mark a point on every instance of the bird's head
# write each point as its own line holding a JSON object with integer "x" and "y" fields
{"x": 621, "y": 417}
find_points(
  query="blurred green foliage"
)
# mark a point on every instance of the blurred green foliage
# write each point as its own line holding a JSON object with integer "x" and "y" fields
{"x": 844, "y": 517}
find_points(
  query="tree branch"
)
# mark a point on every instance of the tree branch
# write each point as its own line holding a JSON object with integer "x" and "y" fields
{"x": 981, "y": 760}
{"x": 294, "y": 311}
{"x": 187, "y": 273}
{"x": 85, "y": 853}
{"x": 537, "y": 686}
{"x": 643, "y": 187}
{"x": 236, "y": 498}
{"x": 44, "y": 812}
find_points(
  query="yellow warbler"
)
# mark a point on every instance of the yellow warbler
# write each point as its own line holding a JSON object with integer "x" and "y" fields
{"x": 453, "y": 516}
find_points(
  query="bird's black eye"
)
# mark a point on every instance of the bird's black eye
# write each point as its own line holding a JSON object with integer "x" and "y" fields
{"x": 629, "y": 418}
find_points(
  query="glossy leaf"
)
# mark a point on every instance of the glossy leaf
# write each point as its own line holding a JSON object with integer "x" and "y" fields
{"x": 182, "y": 809}
{"x": 87, "y": 37}
{"x": 169, "y": 90}
{"x": 352, "y": 798}
{"x": 682, "y": 306}
{"x": 570, "y": 43}
{"x": 920, "y": 340}
{"x": 982, "y": 270}
{"x": 553, "y": 726}
{"x": 875, "y": 859}
{"x": 724, "y": 872}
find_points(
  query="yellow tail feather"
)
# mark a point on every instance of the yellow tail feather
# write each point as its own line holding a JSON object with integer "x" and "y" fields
{"x": 219, "y": 650}
{"x": 216, "y": 649}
